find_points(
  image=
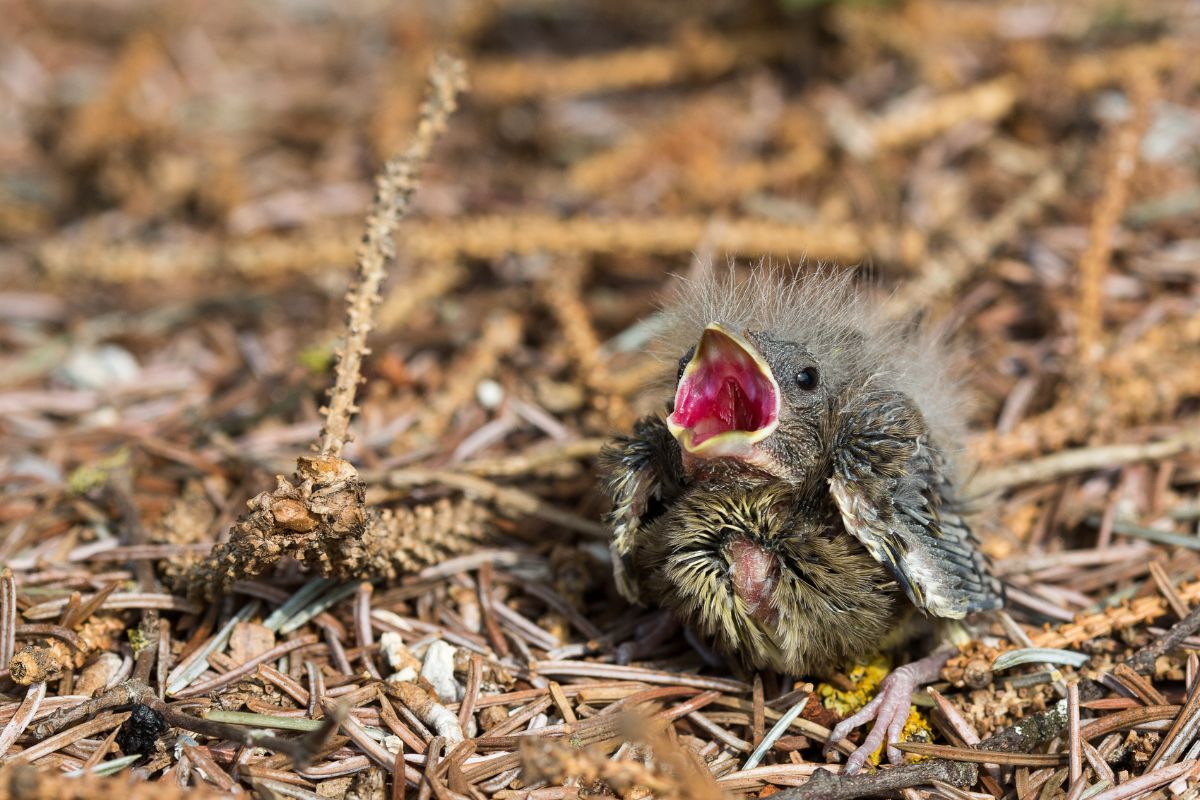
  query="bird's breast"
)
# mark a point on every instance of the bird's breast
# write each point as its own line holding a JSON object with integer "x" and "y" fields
{"x": 753, "y": 573}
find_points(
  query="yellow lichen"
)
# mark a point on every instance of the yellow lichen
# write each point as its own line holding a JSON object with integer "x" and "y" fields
{"x": 866, "y": 679}
{"x": 92, "y": 475}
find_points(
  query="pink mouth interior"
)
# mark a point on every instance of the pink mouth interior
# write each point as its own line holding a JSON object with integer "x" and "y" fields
{"x": 724, "y": 391}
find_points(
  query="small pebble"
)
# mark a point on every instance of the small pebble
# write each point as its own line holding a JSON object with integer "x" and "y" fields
{"x": 99, "y": 368}
{"x": 438, "y": 669}
{"x": 489, "y": 394}
{"x": 398, "y": 657}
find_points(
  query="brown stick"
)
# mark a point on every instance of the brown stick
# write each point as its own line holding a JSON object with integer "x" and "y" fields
{"x": 1083, "y": 459}
{"x": 394, "y": 188}
{"x": 1106, "y": 217}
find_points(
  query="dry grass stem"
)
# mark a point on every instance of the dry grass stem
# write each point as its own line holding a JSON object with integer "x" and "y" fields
{"x": 1114, "y": 194}
{"x": 394, "y": 188}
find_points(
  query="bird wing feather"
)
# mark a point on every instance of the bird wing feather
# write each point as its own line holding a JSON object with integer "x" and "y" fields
{"x": 642, "y": 473}
{"x": 892, "y": 487}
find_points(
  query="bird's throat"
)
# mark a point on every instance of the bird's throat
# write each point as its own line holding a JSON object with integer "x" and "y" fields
{"x": 754, "y": 573}
{"x": 727, "y": 399}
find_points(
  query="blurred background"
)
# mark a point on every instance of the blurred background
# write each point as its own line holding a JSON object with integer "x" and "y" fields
{"x": 183, "y": 185}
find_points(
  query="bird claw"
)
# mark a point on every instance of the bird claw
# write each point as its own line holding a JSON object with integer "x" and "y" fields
{"x": 650, "y": 636}
{"x": 888, "y": 710}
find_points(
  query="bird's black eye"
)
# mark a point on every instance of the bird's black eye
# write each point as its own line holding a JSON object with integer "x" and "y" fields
{"x": 683, "y": 362}
{"x": 808, "y": 379}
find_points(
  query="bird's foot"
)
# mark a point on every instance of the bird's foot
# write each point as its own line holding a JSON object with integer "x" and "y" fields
{"x": 650, "y": 636}
{"x": 709, "y": 656}
{"x": 888, "y": 710}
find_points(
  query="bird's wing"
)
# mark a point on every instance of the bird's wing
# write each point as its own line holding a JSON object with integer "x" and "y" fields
{"x": 642, "y": 473}
{"x": 891, "y": 486}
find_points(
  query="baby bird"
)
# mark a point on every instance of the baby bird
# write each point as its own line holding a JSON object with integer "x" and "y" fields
{"x": 798, "y": 501}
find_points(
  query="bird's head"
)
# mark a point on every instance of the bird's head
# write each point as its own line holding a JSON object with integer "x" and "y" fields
{"x": 746, "y": 398}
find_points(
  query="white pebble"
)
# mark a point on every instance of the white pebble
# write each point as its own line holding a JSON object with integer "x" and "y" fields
{"x": 489, "y": 394}
{"x": 406, "y": 675}
{"x": 393, "y": 649}
{"x": 438, "y": 669}
{"x": 99, "y": 368}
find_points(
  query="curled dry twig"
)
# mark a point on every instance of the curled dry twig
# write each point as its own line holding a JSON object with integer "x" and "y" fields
{"x": 441, "y": 720}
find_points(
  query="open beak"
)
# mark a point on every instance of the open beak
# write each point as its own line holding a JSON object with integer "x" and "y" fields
{"x": 727, "y": 400}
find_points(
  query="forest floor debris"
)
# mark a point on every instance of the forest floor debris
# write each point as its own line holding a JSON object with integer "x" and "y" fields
{"x": 180, "y": 206}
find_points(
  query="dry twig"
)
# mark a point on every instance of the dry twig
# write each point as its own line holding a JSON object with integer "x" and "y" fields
{"x": 319, "y": 517}
{"x": 1093, "y": 266}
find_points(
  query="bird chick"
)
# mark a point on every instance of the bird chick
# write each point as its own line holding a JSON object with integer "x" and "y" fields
{"x": 798, "y": 501}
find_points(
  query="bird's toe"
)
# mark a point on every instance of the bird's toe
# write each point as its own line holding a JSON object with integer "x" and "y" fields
{"x": 650, "y": 635}
{"x": 888, "y": 711}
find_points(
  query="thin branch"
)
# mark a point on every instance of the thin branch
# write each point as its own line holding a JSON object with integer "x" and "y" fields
{"x": 394, "y": 188}
{"x": 1083, "y": 459}
{"x": 1106, "y": 217}
{"x": 320, "y": 517}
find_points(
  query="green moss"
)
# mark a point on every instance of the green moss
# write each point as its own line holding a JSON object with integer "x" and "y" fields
{"x": 137, "y": 640}
{"x": 317, "y": 358}
{"x": 90, "y": 476}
